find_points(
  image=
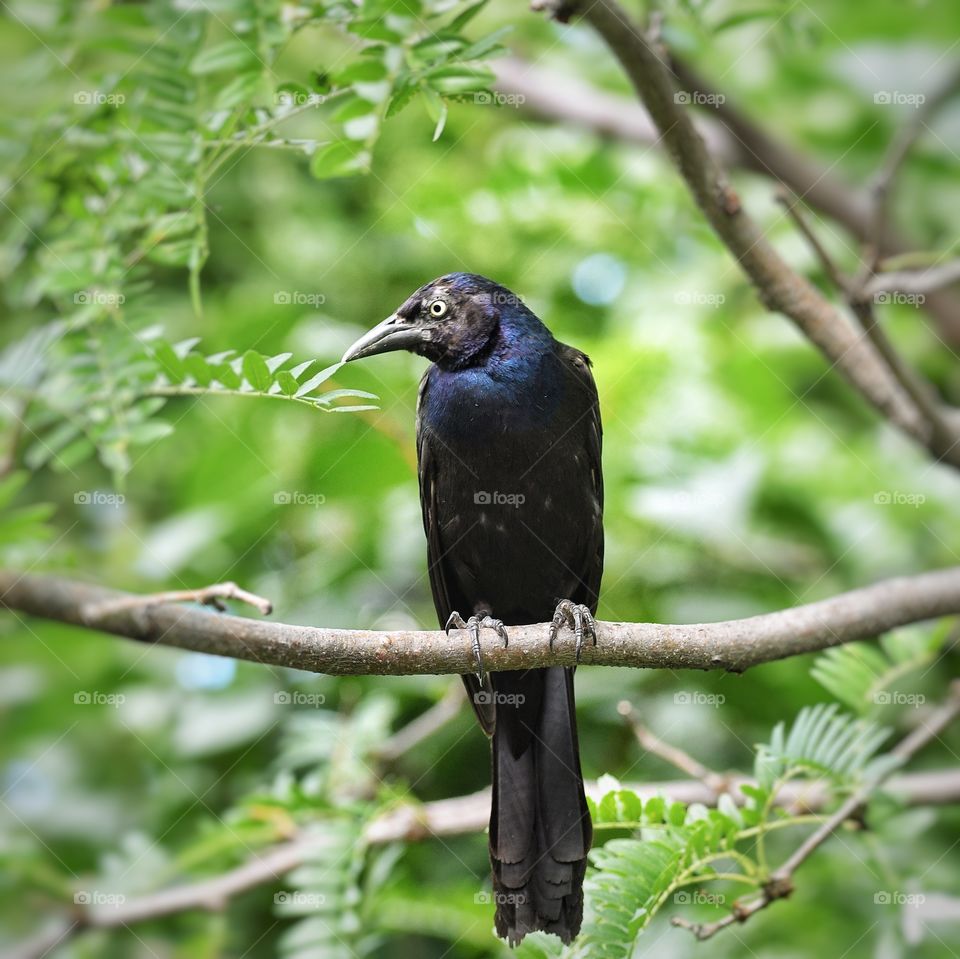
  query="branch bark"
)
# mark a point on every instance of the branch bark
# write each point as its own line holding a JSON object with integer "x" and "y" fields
{"x": 735, "y": 645}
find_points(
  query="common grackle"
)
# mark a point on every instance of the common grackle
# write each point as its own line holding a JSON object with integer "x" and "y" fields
{"x": 508, "y": 444}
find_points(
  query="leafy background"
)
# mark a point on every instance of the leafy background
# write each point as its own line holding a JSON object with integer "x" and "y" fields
{"x": 243, "y": 181}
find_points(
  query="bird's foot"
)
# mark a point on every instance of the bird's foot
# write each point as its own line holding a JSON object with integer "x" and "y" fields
{"x": 578, "y": 618}
{"x": 475, "y": 624}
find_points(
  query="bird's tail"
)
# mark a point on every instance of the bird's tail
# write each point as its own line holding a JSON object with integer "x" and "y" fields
{"x": 540, "y": 827}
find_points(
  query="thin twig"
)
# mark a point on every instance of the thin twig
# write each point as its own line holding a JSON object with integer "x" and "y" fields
{"x": 672, "y": 754}
{"x": 914, "y": 281}
{"x": 425, "y": 725}
{"x": 897, "y": 153}
{"x": 942, "y": 436}
{"x": 206, "y": 596}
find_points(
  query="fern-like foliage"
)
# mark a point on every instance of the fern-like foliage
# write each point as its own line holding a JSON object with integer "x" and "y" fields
{"x": 186, "y": 372}
{"x": 821, "y": 742}
{"x": 861, "y": 674}
{"x": 125, "y": 194}
{"x": 673, "y": 846}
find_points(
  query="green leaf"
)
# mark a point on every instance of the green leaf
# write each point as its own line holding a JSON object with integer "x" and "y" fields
{"x": 367, "y": 70}
{"x": 457, "y": 79}
{"x": 339, "y": 159}
{"x": 233, "y": 55}
{"x": 256, "y": 372}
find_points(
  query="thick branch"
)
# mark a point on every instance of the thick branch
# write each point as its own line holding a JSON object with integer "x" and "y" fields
{"x": 780, "y": 288}
{"x": 735, "y": 645}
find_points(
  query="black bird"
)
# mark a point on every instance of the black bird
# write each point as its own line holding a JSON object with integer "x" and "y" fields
{"x": 508, "y": 444}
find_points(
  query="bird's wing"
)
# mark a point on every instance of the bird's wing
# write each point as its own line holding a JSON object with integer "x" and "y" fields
{"x": 436, "y": 566}
{"x": 578, "y": 365}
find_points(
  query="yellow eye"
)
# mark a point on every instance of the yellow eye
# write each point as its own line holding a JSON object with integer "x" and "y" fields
{"x": 438, "y": 308}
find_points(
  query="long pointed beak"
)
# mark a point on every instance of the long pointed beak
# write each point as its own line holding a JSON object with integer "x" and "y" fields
{"x": 394, "y": 333}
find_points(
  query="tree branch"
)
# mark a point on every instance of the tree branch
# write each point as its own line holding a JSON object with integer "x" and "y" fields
{"x": 735, "y": 645}
{"x": 780, "y": 883}
{"x": 413, "y": 823}
{"x": 780, "y": 288}
{"x": 736, "y": 140}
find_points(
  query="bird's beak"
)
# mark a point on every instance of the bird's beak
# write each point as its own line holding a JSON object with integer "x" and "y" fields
{"x": 394, "y": 333}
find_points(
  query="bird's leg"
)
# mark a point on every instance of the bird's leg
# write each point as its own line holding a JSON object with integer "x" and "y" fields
{"x": 475, "y": 624}
{"x": 578, "y": 618}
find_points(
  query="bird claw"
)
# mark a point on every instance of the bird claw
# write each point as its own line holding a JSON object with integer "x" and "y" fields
{"x": 475, "y": 624}
{"x": 579, "y": 618}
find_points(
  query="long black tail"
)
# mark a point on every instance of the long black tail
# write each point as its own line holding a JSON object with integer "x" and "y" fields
{"x": 540, "y": 827}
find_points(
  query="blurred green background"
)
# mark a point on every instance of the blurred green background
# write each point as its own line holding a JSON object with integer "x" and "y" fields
{"x": 741, "y": 475}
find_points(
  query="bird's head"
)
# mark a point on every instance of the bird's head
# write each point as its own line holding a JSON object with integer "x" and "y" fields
{"x": 451, "y": 321}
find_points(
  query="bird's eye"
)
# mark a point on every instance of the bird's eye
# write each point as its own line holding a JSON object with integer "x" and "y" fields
{"x": 438, "y": 308}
